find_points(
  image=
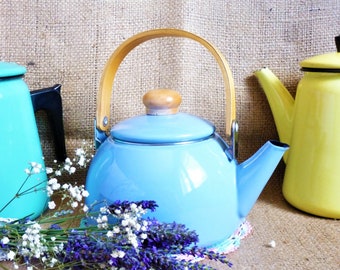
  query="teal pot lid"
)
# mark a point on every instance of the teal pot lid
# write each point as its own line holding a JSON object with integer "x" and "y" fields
{"x": 8, "y": 69}
{"x": 162, "y": 123}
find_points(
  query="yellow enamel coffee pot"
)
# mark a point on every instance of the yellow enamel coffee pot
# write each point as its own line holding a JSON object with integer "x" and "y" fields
{"x": 311, "y": 126}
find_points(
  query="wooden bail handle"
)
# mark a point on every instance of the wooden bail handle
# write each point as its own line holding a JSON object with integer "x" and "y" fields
{"x": 112, "y": 65}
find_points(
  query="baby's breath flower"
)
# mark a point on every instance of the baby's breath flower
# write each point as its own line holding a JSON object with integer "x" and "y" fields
{"x": 5, "y": 240}
{"x": 118, "y": 254}
{"x": 49, "y": 170}
{"x": 11, "y": 255}
{"x": 80, "y": 151}
{"x": 82, "y": 161}
{"x": 36, "y": 167}
{"x": 85, "y": 193}
{"x": 65, "y": 186}
{"x": 115, "y": 229}
{"x": 51, "y": 205}
{"x": 74, "y": 204}
{"x": 109, "y": 234}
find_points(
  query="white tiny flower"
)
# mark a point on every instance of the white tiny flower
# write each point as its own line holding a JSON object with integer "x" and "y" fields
{"x": 143, "y": 236}
{"x": 55, "y": 186}
{"x": 78, "y": 197}
{"x": 81, "y": 161}
{"x": 52, "y": 181}
{"x": 5, "y": 240}
{"x": 49, "y": 170}
{"x": 53, "y": 238}
{"x": 49, "y": 191}
{"x": 109, "y": 234}
{"x": 114, "y": 254}
{"x": 65, "y": 186}
{"x": 74, "y": 204}
{"x": 104, "y": 219}
{"x": 33, "y": 164}
{"x": 133, "y": 207}
{"x": 121, "y": 253}
{"x": 138, "y": 227}
{"x": 58, "y": 173}
{"x": 117, "y": 254}
{"x": 36, "y": 170}
{"x": 51, "y": 205}
{"x": 11, "y": 255}
{"x": 85, "y": 193}
{"x": 85, "y": 208}
{"x": 27, "y": 171}
{"x": 72, "y": 170}
{"x": 53, "y": 262}
{"x": 80, "y": 151}
{"x": 125, "y": 222}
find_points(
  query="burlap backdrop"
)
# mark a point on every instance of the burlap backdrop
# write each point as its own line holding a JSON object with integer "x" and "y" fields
{"x": 68, "y": 42}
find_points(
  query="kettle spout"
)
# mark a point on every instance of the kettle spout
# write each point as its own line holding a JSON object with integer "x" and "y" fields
{"x": 254, "y": 173}
{"x": 280, "y": 100}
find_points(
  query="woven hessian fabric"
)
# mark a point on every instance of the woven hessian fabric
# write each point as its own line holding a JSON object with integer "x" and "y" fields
{"x": 69, "y": 42}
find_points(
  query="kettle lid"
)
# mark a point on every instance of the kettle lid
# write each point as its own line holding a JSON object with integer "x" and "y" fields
{"x": 329, "y": 62}
{"x": 9, "y": 69}
{"x": 162, "y": 123}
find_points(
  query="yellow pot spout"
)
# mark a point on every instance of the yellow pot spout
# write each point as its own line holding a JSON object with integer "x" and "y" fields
{"x": 281, "y": 103}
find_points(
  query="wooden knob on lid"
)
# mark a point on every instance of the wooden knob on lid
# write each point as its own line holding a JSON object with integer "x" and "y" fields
{"x": 162, "y": 101}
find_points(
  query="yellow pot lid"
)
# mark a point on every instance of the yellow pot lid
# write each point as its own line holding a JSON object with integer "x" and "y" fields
{"x": 329, "y": 62}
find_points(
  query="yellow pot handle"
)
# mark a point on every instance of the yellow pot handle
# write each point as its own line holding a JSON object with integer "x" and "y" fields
{"x": 112, "y": 65}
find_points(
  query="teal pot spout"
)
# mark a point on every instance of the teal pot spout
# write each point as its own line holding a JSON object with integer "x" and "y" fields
{"x": 254, "y": 173}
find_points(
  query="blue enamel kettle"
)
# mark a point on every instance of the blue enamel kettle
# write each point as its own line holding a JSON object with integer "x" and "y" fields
{"x": 176, "y": 159}
{"x": 23, "y": 177}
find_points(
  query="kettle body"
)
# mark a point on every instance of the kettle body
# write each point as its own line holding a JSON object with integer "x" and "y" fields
{"x": 176, "y": 159}
{"x": 310, "y": 124}
{"x": 187, "y": 181}
{"x": 20, "y": 145}
{"x": 311, "y": 179}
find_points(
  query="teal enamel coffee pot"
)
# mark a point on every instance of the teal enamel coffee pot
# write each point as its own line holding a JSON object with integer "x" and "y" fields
{"x": 22, "y": 171}
{"x": 175, "y": 158}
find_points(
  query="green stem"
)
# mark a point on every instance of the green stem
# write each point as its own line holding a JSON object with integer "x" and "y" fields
{"x": 18, "y": 194}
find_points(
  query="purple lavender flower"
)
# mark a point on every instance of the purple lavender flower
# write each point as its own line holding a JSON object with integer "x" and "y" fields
{"x": 125, "y": 205}
{"x": 55, "y": 227}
